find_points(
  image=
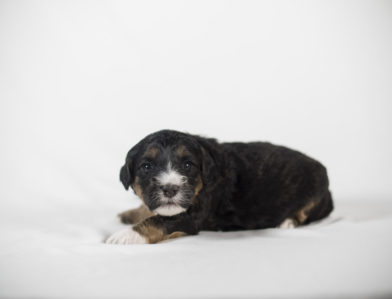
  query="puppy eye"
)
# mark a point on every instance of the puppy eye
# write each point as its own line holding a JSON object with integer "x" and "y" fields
{"x": 187, "y": 165}
{"x": 147, "y": 166}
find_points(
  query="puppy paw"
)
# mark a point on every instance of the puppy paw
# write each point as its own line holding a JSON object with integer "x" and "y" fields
{"x": 288, "y": 223}
{"x": 127, "y": 217}
{"x": 126, "y": 236}
{"x": 135, "y": 215}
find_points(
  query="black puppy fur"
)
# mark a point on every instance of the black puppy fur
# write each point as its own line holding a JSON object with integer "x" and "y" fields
{"x": 226, "y": 186}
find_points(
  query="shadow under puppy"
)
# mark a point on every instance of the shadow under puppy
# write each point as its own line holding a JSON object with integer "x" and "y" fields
{"x": 189, "y": 183}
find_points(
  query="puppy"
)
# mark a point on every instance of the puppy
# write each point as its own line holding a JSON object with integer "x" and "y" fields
{"x": 189, "y": 183}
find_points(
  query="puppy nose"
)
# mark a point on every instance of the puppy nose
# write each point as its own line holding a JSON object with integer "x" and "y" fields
{"x": 170, "y": 190}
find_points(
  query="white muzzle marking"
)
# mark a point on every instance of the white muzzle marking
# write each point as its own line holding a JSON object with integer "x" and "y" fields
{"x": 170, "y": 207}
{"x": 170, "y": 176}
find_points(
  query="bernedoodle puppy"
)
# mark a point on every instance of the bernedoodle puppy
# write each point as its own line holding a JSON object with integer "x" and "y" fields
{"x": 188, "y": 183}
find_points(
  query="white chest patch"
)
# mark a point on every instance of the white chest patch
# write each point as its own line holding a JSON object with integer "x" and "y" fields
{"x": 126, "y": 236}
{"x": 169, "y": 210}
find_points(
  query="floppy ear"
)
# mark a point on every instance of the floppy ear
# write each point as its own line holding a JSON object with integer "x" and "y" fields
{"x": 210, "y": 160}
{"x": 125, "y": 176}
{"x": 126, "y": 172}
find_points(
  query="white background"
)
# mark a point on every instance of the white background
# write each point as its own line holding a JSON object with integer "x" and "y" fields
{"x": 82, "y": 81}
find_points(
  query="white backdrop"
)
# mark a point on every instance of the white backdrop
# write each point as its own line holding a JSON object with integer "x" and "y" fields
{"x": 82, "y": 81}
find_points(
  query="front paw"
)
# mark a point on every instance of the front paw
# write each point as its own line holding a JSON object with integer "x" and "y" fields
{"x": 126, "y": 236}
{"x": 135, "y": 215}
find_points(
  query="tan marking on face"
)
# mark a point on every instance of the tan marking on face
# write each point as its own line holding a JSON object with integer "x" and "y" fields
{"x": 137, "y": 188}
{"x": 151, "y": 153}
{"x": 135, "y": 215}
{"x": 182, "y": 151}
{"x": 302, "y": 214}
{"x": 199, "y": 185}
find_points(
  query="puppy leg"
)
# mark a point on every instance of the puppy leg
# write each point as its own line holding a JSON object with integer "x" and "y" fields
{"x": 135, "y": 215}
{"x": 155, "y": 229}
{"x": 300, "y": 216}
{"x": 321, "y": 209}
{"x": 126, "y": 236}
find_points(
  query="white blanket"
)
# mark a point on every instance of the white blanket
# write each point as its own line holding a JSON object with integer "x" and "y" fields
{"x": 56, "y": 250}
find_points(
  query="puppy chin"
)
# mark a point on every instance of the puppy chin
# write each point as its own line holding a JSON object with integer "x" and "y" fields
{"x": 169, "y": 210}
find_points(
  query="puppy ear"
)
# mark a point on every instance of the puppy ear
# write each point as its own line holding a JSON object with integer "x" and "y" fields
{"x": 125, "y": 176}
{"x": 210, "y": 160}
{"x": 126, "y": 172}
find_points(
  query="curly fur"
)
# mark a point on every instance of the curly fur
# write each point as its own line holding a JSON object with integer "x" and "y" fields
{"x": 229, "y": 186}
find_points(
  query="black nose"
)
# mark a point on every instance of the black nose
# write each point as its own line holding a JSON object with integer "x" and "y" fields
{"x": 170, "y": 190}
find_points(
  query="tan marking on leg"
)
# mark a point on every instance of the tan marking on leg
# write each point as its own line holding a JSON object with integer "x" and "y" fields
{"x": 154, "y": 234}
{"x": 302, "y": 214}
{"x": 135, "y": 215}
{"x": 175, "y": 235}
{"x": 151, "y": 233}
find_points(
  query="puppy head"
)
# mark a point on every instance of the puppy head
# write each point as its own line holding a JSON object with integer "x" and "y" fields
{"x": 167, "y": 170}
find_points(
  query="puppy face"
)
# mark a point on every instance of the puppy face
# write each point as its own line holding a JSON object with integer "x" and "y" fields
{"x": 165, "y": 172}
